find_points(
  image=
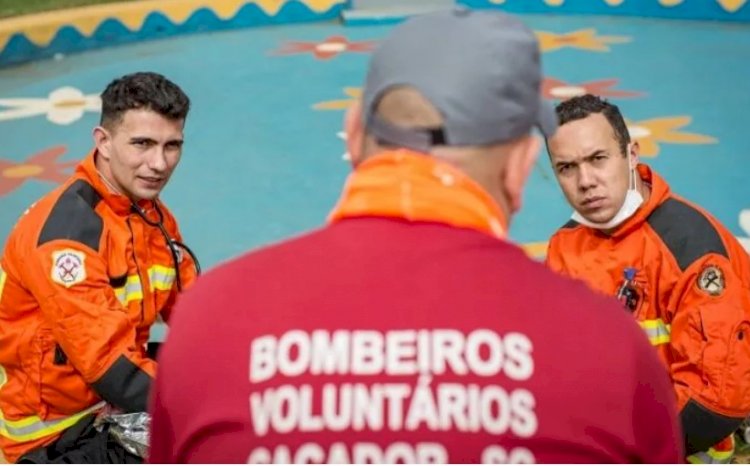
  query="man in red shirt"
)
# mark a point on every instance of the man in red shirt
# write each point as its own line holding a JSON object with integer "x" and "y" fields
{"x": 410, "y": 329}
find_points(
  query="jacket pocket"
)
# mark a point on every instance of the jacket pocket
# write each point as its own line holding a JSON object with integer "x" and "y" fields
{"x": 62, "y": 389}
{"x": 735, "y": 392}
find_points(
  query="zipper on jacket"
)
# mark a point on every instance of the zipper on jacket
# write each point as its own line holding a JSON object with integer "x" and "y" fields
{"x": 138, "y": 269}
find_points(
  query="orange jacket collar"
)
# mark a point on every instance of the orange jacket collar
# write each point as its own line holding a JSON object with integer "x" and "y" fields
{"x": 416, "y": 187}
{"x": 659, "y": 193}
{"x": 87, "y": 171}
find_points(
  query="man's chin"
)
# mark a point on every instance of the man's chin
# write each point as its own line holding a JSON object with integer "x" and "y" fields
{"x": 597, "y": 216}
{"x": 145, "y": 195}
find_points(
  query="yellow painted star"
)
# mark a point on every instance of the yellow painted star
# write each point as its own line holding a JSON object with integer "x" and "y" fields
{"x": 586, "y": 39}
{"x": 354, "y": 93}
{"x": 63, "y": 106}
{"x": 732, "y": 5}
{"x": 729, "y": 5}
{"x": 649, "y": 133}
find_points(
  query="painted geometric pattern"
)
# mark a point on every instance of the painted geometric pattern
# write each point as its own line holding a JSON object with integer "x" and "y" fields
{"x": 730, "y": 10}
{"x": 46, "y": 34}
{"x": 30, "y": 37}
{"x": 730, "y": 6}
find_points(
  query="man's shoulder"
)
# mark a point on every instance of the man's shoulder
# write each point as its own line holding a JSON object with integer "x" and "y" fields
{"x": 70, "y": 214}
{"x": 688, "y": 231}
{"x": 567, "y": 235}
{"x": 368, "y": 237}
{"x": 66, "y": 212}
{"x": 569, "y": 225}
{"x": 568, "y": 229}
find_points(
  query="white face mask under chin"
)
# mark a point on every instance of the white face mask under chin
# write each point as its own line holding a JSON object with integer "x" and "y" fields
{"x": 630, "y": 205}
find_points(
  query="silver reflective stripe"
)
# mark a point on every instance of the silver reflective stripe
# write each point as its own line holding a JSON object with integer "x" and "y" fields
{"x": 33, "y": 427}
{"x": 131, "y": 291}
{"x": 161, "y": 277}
{"x": 657, "y": 331}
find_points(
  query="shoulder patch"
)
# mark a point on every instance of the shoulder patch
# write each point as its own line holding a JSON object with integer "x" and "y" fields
{"x": 686, "y": 232}
{"x": 73, "y": 217}
{"x": 711, "y": 280}
{"x": 68, "y": 267}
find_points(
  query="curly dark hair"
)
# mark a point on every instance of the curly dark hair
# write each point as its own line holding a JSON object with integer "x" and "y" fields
{"x": 580, "y": 107}
{"x": 143, "y": 90}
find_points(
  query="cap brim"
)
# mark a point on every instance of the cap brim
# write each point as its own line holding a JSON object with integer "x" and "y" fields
{"x": 546, "y": 118}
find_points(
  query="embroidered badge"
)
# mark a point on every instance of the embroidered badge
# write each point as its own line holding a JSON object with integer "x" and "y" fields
{"x": 68, "y": 267}
{"x": 711, "y": 280}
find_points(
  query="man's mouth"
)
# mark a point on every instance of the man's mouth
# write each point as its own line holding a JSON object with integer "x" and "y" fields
{"x": 152, "y": 179}
{"x": 593, "y": 202}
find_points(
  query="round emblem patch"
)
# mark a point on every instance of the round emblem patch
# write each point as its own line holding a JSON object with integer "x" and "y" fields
{"x": 711, "y": 280}
{"x": 68, "y": 267}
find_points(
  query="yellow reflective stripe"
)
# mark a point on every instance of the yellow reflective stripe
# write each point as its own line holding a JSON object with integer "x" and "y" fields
{"x": 161, "y": 277}
{"x": 2, "y": 282}
{"x": 656, "y": 330}
{"x": 25, "y": 422}
{"x": 131, "y": 291}
{"x": 33, "y": 427}
{"x": 722, "y": 456}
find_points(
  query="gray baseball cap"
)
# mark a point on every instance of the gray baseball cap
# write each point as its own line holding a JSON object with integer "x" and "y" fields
{"x": 480, "y": 69}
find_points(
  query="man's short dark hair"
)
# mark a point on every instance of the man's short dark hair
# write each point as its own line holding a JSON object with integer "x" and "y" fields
{"x": 143, "y": 90}
{"x": 581, "y": 107}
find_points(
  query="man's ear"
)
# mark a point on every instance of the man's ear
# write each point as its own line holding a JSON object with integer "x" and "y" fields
{"x": 103, "y": 142}
{"x": 520, "y": 162}
{"x": 635, "y": 152}
{"x": 354, "y": 130}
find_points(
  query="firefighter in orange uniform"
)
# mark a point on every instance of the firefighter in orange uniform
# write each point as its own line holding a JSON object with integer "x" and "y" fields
{"x": 85, "y": 273}
{"x": 680, "y": 273}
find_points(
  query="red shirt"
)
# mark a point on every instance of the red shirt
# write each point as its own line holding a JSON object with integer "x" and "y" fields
{"x": 380, "y": 340}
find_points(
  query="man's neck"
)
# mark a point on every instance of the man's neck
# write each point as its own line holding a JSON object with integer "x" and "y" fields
{"x": 106, "y": 175}
{"x": 643, "y": 188}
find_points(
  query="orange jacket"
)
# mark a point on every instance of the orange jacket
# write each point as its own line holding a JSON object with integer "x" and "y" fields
{"x": 82, "y": 280}
{"x": 691, "y": 295}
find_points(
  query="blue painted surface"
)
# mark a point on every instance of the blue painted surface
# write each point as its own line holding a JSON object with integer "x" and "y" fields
{"x": 260, "y": 164}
